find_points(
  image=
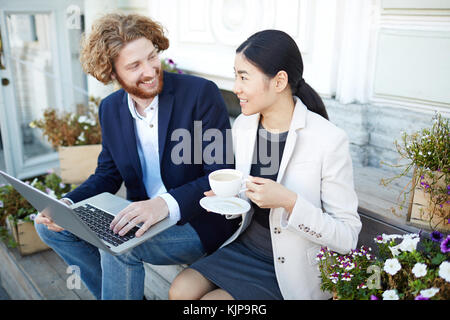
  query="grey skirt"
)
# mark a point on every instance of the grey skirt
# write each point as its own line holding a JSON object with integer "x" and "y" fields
{"x": 242, "y": 270}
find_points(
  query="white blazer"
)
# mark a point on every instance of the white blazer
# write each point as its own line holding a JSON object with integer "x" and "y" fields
{"x": 316, "y": 164}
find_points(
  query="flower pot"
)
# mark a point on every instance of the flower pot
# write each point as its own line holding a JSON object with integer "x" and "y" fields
{"x": 77, "y": 163}
{"x": 421, "y": 209}
{"x": 26, "y": 237}
{"x": 335, "y": 296}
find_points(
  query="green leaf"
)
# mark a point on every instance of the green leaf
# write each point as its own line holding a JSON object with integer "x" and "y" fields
{"x": 438, "y": 259}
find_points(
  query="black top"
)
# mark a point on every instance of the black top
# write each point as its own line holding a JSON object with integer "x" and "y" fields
{"x": 266, "y": 161}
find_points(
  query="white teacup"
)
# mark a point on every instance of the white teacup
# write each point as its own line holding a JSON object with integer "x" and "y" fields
{"x": 226, "y": 182}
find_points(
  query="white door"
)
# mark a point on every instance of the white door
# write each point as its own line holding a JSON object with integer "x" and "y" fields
{"x": 39, "y": 69}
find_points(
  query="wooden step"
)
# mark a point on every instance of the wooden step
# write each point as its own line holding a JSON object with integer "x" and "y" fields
{"x": 39, "y": 276}
{"x": 44, "y": 276}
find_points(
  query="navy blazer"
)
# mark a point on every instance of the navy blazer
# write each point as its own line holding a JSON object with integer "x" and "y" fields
{"x": 184, "y": 99}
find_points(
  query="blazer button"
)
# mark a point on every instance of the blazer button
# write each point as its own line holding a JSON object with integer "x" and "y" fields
{"x": 306, "y": 229}
{"x": 151, "y": 125}
{"x": 281, "y": 259}
{"x": 277, "y": 230}
{"x": 300, "y": 226}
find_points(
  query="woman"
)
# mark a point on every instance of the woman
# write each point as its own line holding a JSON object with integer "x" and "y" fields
{"x": 302, "y": 199}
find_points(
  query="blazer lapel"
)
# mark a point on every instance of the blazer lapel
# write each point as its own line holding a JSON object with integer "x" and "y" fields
{"x": 165, "y": 107}
{"x": 129, "y": 136}
{"x": 245, "y": 143}
{"x": 298, "y": 122}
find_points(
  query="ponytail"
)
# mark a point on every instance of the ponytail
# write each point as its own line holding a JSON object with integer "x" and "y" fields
{"x": 310, "y": 98}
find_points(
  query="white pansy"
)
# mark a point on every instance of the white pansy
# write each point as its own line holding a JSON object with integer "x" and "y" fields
{"x": 81, "y": 137}
{"x": 429, "y": 293}
{"x": 409, "y": 244}
{"x": 390, "y": 295}
{"x": 444, "y": 271}
{"x": 419, "y": 270}
{"x": 392, "y": 266}
{"x": 52, "y": 194}
{"x": 411, "y": 236}
{"x": 82, "y": 119}
{"x": 395, "y": 250}
{"x": 34, "y": 182}
{"x": 388, "y": 237}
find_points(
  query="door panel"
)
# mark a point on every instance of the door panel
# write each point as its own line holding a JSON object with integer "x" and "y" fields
{"x": 31, "y": 64}
{"x": 39, "y": 56}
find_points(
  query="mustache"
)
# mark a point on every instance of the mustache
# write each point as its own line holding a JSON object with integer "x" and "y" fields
{"x": 158, "y": 71}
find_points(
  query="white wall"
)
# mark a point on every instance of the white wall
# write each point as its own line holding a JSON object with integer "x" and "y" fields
{"x": 386, "y": 52}
{"x": 204, "y": 34}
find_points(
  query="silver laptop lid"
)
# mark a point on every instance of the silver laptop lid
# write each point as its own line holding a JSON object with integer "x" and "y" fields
{"x": 59, "y": 212}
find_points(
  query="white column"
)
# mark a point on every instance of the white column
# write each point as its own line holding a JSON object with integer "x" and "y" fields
{"x": 133, "y": 6}
{"x": 356, "y": 39}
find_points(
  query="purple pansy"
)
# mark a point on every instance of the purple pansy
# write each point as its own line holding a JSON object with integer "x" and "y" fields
{"x": 436, "y": 236}
{"x": 445, "y": 245}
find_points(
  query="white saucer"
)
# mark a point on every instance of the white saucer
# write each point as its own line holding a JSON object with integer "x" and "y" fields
{"x": 232, "y": 205}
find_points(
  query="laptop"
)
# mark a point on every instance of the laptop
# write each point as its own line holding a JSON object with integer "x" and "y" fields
{"x": 89, "y": 219}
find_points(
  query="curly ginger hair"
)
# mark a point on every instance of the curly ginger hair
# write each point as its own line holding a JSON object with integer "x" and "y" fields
{"x": 109, "y": 35}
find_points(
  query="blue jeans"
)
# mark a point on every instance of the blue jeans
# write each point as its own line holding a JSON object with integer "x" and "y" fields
{"x": 122, "y": 277}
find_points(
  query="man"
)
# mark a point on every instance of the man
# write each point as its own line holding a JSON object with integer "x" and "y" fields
{"x": 137, "y": 124}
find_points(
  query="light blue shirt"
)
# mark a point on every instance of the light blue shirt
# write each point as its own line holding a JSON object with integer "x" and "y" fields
{"x": 146, "y": 129}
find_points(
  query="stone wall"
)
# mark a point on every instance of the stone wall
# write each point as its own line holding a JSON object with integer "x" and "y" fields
{"x": 372, "y": 130}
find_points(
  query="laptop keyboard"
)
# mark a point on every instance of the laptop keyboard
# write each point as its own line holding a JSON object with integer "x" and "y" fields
{"x": 99, "y": 221}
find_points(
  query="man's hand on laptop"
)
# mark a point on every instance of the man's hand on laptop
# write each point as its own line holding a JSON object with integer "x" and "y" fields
{"x": 147, "y": 212}
{"x": 42, "y": 218}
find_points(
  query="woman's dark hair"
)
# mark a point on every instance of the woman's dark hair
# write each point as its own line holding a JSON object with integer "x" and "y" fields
{"x": 272, "y": 51}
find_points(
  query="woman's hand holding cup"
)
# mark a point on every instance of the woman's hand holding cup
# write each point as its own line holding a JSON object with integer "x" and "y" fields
{"x": 209, "y": 193}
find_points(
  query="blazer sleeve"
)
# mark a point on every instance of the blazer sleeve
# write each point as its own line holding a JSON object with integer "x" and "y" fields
{"x": 106, "y": 177}
{"x": 337, "y": 224}
{"x": 210, "y": 109}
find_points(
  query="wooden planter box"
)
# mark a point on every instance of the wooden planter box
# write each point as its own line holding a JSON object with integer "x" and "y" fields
{"x": 419, "y": 209}
{"x": 26, "y": 237}
{"x": 77, "y": 163}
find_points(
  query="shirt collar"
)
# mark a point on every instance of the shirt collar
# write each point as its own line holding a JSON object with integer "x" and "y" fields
{"x": 132, "y": 107}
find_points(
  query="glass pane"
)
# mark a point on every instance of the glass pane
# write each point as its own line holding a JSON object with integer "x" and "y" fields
{"x": 2, "y": 154}
{"x": 79, "y": 79}
{"x": 33, "y": 76}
